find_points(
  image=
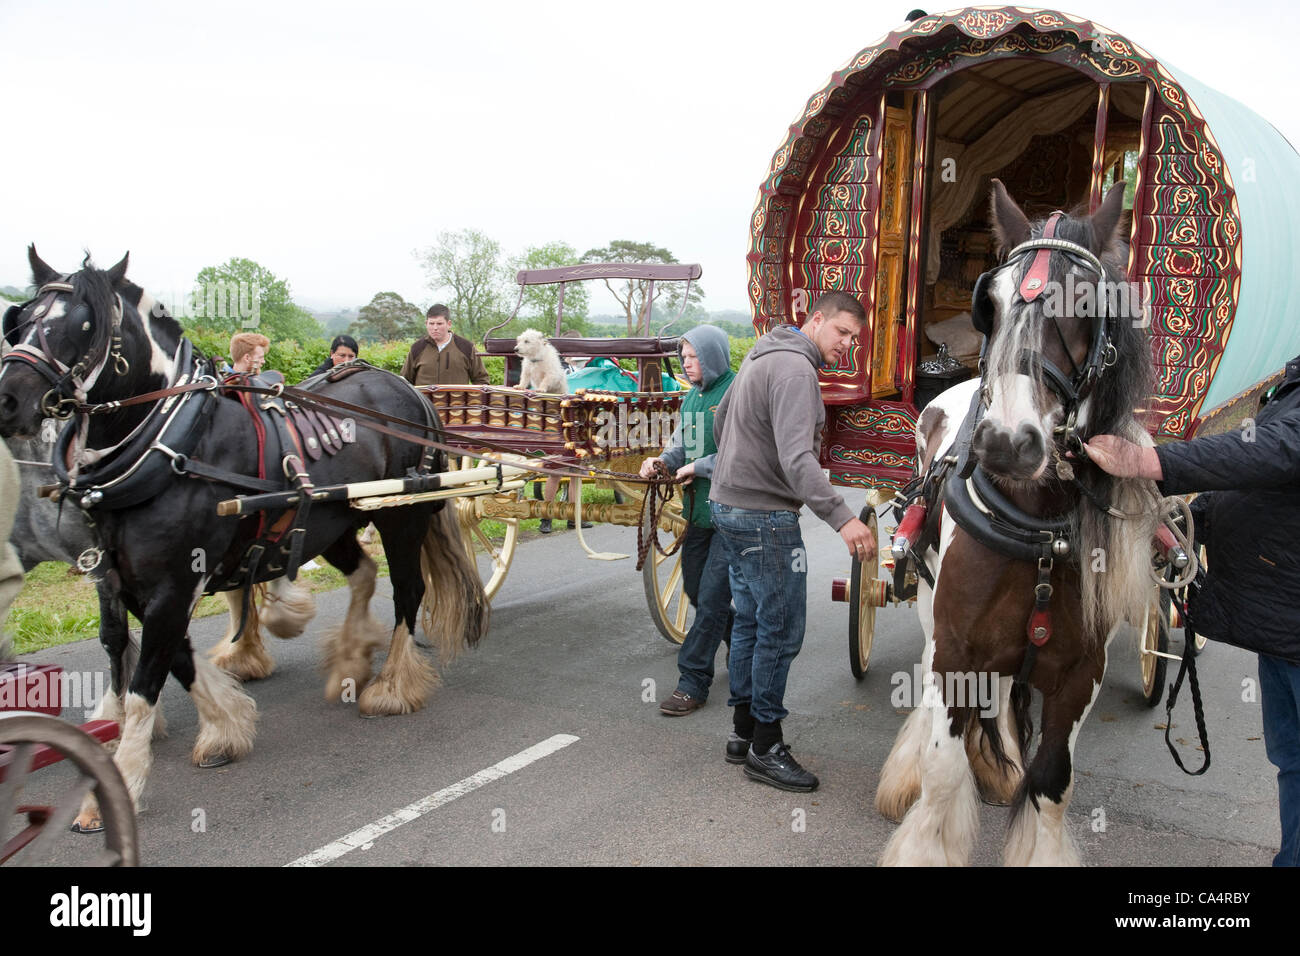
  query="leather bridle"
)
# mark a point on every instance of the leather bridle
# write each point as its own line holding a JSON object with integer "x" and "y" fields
{"x": 69, "y": 384}
{"x": 1072, "y": 389}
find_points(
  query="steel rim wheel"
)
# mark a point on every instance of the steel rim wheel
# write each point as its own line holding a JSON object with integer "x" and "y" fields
{"x": 665, "y": 589}
{"x": 862, "y": 613}
{"x": 499, "y": 548}
{"x": 33, "y": 842}
{"x": 1153, "y": 667}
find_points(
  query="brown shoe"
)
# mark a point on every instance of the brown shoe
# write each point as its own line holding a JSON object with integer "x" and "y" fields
{"x": 680, "y": 704}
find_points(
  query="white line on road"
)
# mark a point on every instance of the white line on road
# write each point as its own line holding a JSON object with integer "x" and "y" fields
{"x": 358, "y": 839}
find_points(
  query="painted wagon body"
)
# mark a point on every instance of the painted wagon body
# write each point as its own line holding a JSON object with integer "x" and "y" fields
{"x": 880, "y": 189}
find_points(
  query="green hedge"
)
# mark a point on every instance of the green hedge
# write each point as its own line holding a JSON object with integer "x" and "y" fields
{"x": 297, "y": 361}
{"x": 739, "y": 349}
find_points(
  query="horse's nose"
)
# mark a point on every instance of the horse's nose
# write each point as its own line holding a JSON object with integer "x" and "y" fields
{"x": 1011, "y": 454}
{"x": 1028, "y": 444}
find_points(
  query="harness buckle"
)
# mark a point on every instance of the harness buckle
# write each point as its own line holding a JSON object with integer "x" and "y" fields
{"x": 60, "y": 407}
{"x": 89, "y": 559}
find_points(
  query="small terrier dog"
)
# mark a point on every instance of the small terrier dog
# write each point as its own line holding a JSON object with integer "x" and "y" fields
{"x": 542, "y": 371}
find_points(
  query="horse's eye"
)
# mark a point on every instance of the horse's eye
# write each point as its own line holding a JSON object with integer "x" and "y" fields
{"x": 85, "y": 326}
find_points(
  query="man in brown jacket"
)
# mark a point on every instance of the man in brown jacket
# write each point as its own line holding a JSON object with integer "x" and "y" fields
{"x": 441, "y": 358}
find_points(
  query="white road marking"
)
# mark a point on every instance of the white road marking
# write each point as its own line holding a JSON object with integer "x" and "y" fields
{"x": 364, "y": 837}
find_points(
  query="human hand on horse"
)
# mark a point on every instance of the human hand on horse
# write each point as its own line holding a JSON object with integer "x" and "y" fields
{"x": 1122, "y": 458}
{"x": 861, "y": 542}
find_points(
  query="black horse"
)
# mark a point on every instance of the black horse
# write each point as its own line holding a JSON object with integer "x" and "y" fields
{"x": 93, "y": 338}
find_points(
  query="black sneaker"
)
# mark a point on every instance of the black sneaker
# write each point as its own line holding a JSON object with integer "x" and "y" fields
{"x": 738, "y": 747}
{"x": 779, "y": 769}
{"x": 544, "y": 526}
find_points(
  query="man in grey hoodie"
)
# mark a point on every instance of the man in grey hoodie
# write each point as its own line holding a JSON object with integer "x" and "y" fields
{"x": 769, "y": 429}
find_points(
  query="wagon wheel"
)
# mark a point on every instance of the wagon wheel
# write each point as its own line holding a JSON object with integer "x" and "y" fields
{"x": 494, "y": 537}
{"x": 662, "y": 576}
{"x": 1154, "y": 643}
{"x": 865, "y": 590}
{"x": 30, "y": 835}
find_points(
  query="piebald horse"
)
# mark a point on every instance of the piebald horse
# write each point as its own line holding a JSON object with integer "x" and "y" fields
{"x": 1041, "y": 558}
{"x": 93, "y": 338}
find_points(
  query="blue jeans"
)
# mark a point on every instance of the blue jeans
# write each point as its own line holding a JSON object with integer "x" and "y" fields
{"x": 769, "y": 584}
{"x": 1279, "y": 696}
{"x": 705, "y": 580}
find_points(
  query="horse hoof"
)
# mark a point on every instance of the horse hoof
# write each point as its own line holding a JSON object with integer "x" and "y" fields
{"x": 96, "y": 827}
{"x": 216, "y": 760}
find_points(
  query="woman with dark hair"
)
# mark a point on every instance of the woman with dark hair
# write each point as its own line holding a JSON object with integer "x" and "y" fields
{"x": 344, "y": 348}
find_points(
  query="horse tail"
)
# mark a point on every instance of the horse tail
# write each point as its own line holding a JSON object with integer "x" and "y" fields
{"x": 455, "y": 608}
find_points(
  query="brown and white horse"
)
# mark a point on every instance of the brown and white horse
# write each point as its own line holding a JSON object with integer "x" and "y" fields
{"x": 1041, "y": 558}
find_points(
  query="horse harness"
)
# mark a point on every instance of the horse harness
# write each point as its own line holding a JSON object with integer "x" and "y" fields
{"x": 68, "y": 383}
{"x": 957, "y": 484}
{"x": 139, "y": 467}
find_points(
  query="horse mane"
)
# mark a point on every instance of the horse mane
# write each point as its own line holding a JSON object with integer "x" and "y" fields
{"x": 94, "y": 288}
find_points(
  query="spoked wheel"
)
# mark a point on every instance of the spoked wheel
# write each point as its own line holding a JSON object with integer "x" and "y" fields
{"x": 494, "y": 537}
{"x": 33, "y": 835}
{"x": 866, "y": 593}
{"x": 665, "y": 590}
{"x": 1154, "y": 643}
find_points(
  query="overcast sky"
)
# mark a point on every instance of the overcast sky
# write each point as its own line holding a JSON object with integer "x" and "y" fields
{"x": 329, "y": 141}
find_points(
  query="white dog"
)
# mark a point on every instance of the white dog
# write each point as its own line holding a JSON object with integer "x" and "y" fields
{"x": 542, "y": 370}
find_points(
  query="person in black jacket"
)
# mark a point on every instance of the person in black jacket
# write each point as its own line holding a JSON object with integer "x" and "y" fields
{"x": 344, "y": 348}
{"x": 1250, "y": 524}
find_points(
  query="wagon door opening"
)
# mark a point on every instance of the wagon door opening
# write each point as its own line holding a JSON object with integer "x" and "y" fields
{"x": 1053, "y": 135}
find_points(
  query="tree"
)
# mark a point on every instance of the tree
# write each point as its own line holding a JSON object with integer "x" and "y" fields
{"x": 631, "y": 293}
{"x": 541, "y": 302}
{"x": 387, "y": 318}
{"x": 467, "y": 264}
{"x": 241, "y": 295}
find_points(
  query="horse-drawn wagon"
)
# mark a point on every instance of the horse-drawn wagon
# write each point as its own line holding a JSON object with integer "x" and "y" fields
{"x": 596, "y": 436}
{"x": 880, "y": 189}
{"x": 157, "y": 445}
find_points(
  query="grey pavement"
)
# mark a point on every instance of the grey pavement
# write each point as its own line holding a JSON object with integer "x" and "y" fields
{"x": 570, "y": 651}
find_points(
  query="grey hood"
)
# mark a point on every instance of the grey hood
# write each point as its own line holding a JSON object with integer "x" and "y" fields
{"x": 787, "y": 338}
{"x": 714, "y": 350}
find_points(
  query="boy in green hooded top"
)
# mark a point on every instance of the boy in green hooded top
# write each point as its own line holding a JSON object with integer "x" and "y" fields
{"x": 706, "y": 357}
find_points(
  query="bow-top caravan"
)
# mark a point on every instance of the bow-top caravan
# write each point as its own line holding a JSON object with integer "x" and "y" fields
{"x": 880, "y": 188}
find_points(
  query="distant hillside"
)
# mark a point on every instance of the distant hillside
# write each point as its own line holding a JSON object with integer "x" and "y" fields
{"x": 732, "y": 321}
{"x": 13, "y": 293}
{"x": 335, "y": 321}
